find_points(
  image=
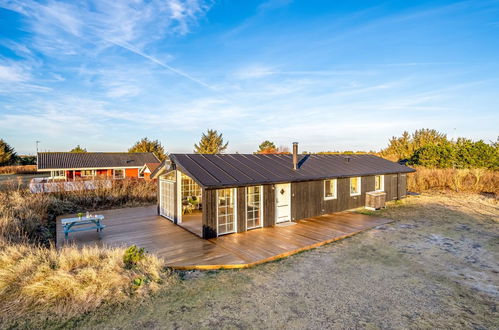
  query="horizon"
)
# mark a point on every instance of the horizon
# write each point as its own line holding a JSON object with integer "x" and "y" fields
{"x": 333, "y": 76}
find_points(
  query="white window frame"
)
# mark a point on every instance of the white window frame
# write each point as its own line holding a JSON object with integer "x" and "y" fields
{"x": 141, "y": 174}
{"x": 55, "y": 174}
{"x": 119, "y": 169}
{"x": 85, "y": 176}
{"x": 246, "y": 208}
{"x": 359, "y": 186}
{"x": 234, "y": 192}
{"x": 335, "y": 196}
{"x": 382, "y": 181}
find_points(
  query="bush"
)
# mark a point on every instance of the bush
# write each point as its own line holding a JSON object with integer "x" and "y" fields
{"x": 458, "y": 180}
{"x": 132, "y": 256}
{"x": 70, "y": 281}
{"x": 24, "y": 169}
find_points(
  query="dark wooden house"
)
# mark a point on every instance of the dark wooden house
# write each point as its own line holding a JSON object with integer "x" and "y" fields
{"x": 213, "y": 195}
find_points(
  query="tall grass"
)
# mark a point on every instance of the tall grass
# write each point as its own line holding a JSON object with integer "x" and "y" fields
{"x": 70, "y": 281}
{"x": 37, "y": 279}
{"x": 21, "y": 169}
{"x": 458, "y": 180}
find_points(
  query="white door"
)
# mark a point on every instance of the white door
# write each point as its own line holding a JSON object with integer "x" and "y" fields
{"x": 167, "y": 199}
{"x": 283, "y": 202}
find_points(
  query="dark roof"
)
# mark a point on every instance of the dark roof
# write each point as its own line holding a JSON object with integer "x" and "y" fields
{"x": 232, "y": 170}
{"x": 70, "y": 160}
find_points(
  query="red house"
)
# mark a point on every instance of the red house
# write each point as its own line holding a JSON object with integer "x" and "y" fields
{"x": 89, "y": 165}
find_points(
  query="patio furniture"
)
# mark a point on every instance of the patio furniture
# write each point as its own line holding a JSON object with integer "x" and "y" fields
{"x": 90, "y": 223}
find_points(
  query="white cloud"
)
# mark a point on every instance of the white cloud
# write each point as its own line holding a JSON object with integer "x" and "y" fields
{"x": 13, "y": 73}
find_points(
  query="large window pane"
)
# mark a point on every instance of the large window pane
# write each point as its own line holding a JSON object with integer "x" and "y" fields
{"x": 226, "y": 211}
{"x": 330, "y": 189}
{"x": 253, "y": 207}
{"x": 355, "y": 186}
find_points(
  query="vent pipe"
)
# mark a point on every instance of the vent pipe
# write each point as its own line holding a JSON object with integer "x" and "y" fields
{"x": 295, "y": 156}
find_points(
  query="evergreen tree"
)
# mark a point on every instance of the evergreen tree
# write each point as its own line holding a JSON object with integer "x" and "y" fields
{"x": 211, "y": 143}
{"x": 78, "y": 150}
{"x": 7, "y": 154}
{"x": 266, "y": 147}
{"x": 145, "y": 145}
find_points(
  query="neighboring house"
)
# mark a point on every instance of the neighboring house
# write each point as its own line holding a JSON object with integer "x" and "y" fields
{"x": 89, "y": 165}
{"x": 213, "y": 195}
{"x": 147, "y": 169}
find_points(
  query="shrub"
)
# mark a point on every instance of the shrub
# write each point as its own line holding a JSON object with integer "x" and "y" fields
{"x": 132, "y": 256}
{"x": 23, "y": 169}
{"x": 459, "y": 180}
{"x": 71, "y": 281}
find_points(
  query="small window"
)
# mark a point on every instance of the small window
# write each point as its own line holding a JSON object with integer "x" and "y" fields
{"x": 355, "y": 186}
{"x": 330, "y": 189}
{"x": 379, "y": 183}
{"x": 87, "y": 173}
{"x": 119, "y": 174}
{"x": 170, "y": 176}
{"x": 58, "y": 174}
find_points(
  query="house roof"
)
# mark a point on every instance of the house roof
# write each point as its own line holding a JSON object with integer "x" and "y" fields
{"x": 232, "y": 170}
{"x": 151, "y": 166}
{"x": 88, "y": 160}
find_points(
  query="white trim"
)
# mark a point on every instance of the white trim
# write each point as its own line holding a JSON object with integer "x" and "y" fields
{"x": 382, "y": 182}
{"x": 246, "y": 208}
{"x": 86, "y": 176}
{"x": 335, "y": 196}
{"x": 178, "y": 177}
{"x": 359, "y": 185}
{"x": 114, "y": 173}
{"x": 234, "y": 190}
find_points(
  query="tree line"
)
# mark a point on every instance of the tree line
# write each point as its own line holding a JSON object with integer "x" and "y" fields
{"x": 424, "y": 147}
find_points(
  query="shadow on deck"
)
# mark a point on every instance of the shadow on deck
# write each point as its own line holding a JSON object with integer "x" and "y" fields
{"x": 184, "y": 250}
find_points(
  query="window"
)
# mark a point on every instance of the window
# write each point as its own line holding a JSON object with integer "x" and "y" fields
{"x": 119, "y": 174}
{"x": 379, "y": 183}
{"x": 171, "y": 176}
{"x": 87, "y": 173}
{"x": 253, "y": 207}
{"x": 58, "y": 174}
{"x": 226, "y": 212}
{"x": 190, "y": 188}
{"x": 330, "y": 189}
{"x": 355, "y": 186}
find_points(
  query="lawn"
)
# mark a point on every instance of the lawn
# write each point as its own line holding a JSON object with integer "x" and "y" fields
{"x": 435, "y": 267}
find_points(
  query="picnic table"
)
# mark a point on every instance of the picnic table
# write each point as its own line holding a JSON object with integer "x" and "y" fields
{"x": 94, "y": 221}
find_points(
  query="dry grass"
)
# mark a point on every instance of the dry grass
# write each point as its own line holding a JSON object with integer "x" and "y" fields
{"x": 458, "y": 180}
{"x": 24, "y": 169}
{"x": 39, "y": 281}
{"x": 71, "y": 281}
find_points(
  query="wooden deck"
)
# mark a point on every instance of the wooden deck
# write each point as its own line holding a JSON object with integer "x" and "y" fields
{"x": 184, "y": 250}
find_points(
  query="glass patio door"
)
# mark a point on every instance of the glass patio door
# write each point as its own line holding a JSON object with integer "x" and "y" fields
{"x": 226, "y": 211}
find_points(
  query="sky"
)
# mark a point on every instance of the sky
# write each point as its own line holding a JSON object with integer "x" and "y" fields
{"x": 331, "y": 75}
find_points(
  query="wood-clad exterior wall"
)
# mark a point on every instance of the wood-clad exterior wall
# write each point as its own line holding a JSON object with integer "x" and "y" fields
{"x": 307, "y": 200}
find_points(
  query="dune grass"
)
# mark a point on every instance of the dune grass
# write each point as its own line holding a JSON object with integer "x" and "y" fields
{"x": 18, "y": 169}
{"x": 71, "y": 281}
{"x": 458, "y": 180}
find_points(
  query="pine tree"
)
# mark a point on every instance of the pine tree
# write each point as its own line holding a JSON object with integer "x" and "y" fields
{"x": 145, "y": 145}
{"x": 211, "y": 143}
{"x": 7, "y": 154}
{"x": 266, "y": 147}
{"x": 78, "y": 150}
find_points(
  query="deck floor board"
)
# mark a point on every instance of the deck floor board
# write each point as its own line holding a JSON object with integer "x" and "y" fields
{"x": 184, "y": 250}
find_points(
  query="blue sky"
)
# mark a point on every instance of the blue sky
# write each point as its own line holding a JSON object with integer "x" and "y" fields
{"x": 333, "y": 75}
